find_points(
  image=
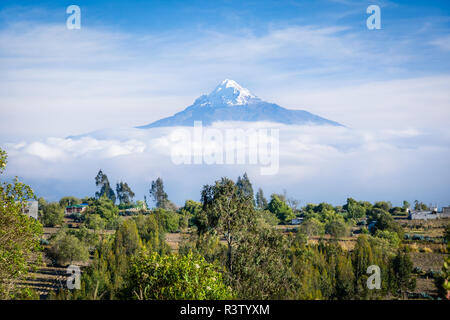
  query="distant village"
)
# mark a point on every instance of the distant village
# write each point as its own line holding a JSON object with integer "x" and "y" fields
{"x": 32, "y": 210}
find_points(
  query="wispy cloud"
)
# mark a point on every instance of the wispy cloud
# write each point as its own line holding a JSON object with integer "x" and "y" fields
{"x": 443, "y": 43}
{"x": 99, "y": 78}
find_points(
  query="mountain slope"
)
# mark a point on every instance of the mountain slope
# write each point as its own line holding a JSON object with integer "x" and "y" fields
{"x": 231, "y": 102}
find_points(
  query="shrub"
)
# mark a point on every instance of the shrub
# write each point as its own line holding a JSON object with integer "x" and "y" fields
{"x": 67, "y": 248}
{"x": 172, "y": 277}
{"x": 426, "y": 250}
{"x": 53, "y": 215}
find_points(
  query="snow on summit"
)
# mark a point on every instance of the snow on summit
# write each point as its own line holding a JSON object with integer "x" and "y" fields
{"x": 231, "y": 102}
{"x": 231, "y": 93}
{"x": 227, "y": 93}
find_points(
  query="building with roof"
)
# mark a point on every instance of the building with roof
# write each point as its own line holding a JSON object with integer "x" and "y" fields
{"x": 31, "y": 209}
{"x": 77, "y": 208}
{"x": 429, "y": 214}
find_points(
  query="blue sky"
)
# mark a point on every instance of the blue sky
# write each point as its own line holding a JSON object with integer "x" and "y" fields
{"x": 134, "y": 62}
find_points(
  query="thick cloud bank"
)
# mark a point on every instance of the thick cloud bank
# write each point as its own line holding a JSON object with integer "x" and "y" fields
{"x": 315, "y": 163}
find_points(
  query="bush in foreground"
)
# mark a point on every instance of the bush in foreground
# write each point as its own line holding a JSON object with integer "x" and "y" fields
{"x": 168, "y": 277}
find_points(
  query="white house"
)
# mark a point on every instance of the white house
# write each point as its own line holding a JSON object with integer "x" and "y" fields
{"x": 31, "y": 209}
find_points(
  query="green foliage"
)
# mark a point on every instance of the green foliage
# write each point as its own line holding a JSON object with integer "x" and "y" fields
{"x": 268, "y": 217}
{"x": 447, "y": 233}
{"x": 190, "y": 214}
{"x": 106, "y": 276}
{"x": 420, "y": 206}
{"x": 312, "y": 227}
{"x": 383, "y": 205}
{"x": 106, "y": 209}
{"x": 19, "y": 236}
{"x": 390, "y": 236}
{"x": 401, "y": 279}
{"x": 127, "y": 238}
{"x": 66, "y": 201}
{"x": 398, "y": 211}
{"x": 244, "y": 187}
{"x": 124, "y": 193}
{"x": 280, "y": 208}
{"x": 151, "y": 232}
{"x": 52, "y": 215}
{"x": 227, "y": 212}
{"x": 355, "y": 210}
{"x": 261, "y": 201}
{"x": 101, "y": 181}
{"x": 323, "y": 271}
{"x": 336, "y": 227}
{"x": 189, "y": 277}
{"x": 260, "y": 266}
{"x": 66, "y": 248}
{"x": 446, "y": 277}
{"x": 158, "y": 194}
{"x": 207, "y": 245}
{"x": 168, "y": 220}
{"x": 384, "y": 221}
{"x": 406, "y": 205}
{"x": 95, "y": 222}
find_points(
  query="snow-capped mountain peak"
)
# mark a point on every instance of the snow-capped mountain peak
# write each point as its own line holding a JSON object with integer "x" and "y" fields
{"x": 228, "y": 92}
{"x": 231, "y": 102}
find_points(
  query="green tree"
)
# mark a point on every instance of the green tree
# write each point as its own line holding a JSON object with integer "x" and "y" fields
{"x": 446, "y": 277}
{"x": 102, "y": 182}
{"x": 127, "y": 238}
{"x": 66, "y": 248}
{"x": 124, "y": 193}
{"x": 280, "y": 208}
{"x": 158, "y": 194}
{"x": 105, "y": 208}
{"x": 401, "y": 276}
{"x": 151, "y": 232}
{"x": 336, "y": 228}
{"x": 69, "y": 201}
{"x": 168, "y": 220}
{"x": 228, "y": 212}
{"x": 384, "y": 221}
{"x": 390, "y": 236}
{"x": 355, "y": 209}
{"x": 19, "y": 236}
{"x": 268, "y": 217}
{"x": 386, "y": 206}
{"x": 191, "y": 210}
{"x": 260, "y": 266}
{"x": 345, "y": 277}
{"x": 420, "y": 206}
{"x": 244, "y": 186}
{"x": 406, "y": 205}
{"x": 312, "y": 227}
{"x": 172, "y": 277}
{"x": 95, "y": 222}
{"x": 447, "y": 233}
{"x": 362, "y": 258}
{"x": 52, "y": 215}
{"x": 261, "y": 201}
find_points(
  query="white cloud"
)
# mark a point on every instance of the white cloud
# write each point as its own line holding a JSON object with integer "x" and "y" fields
{"x": 57, "y": 82}
{"x": 317, "y": 163}
{"x": 60, "y": 150}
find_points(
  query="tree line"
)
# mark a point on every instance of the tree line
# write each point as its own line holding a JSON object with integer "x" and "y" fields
{"x": 232, "y": 248}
